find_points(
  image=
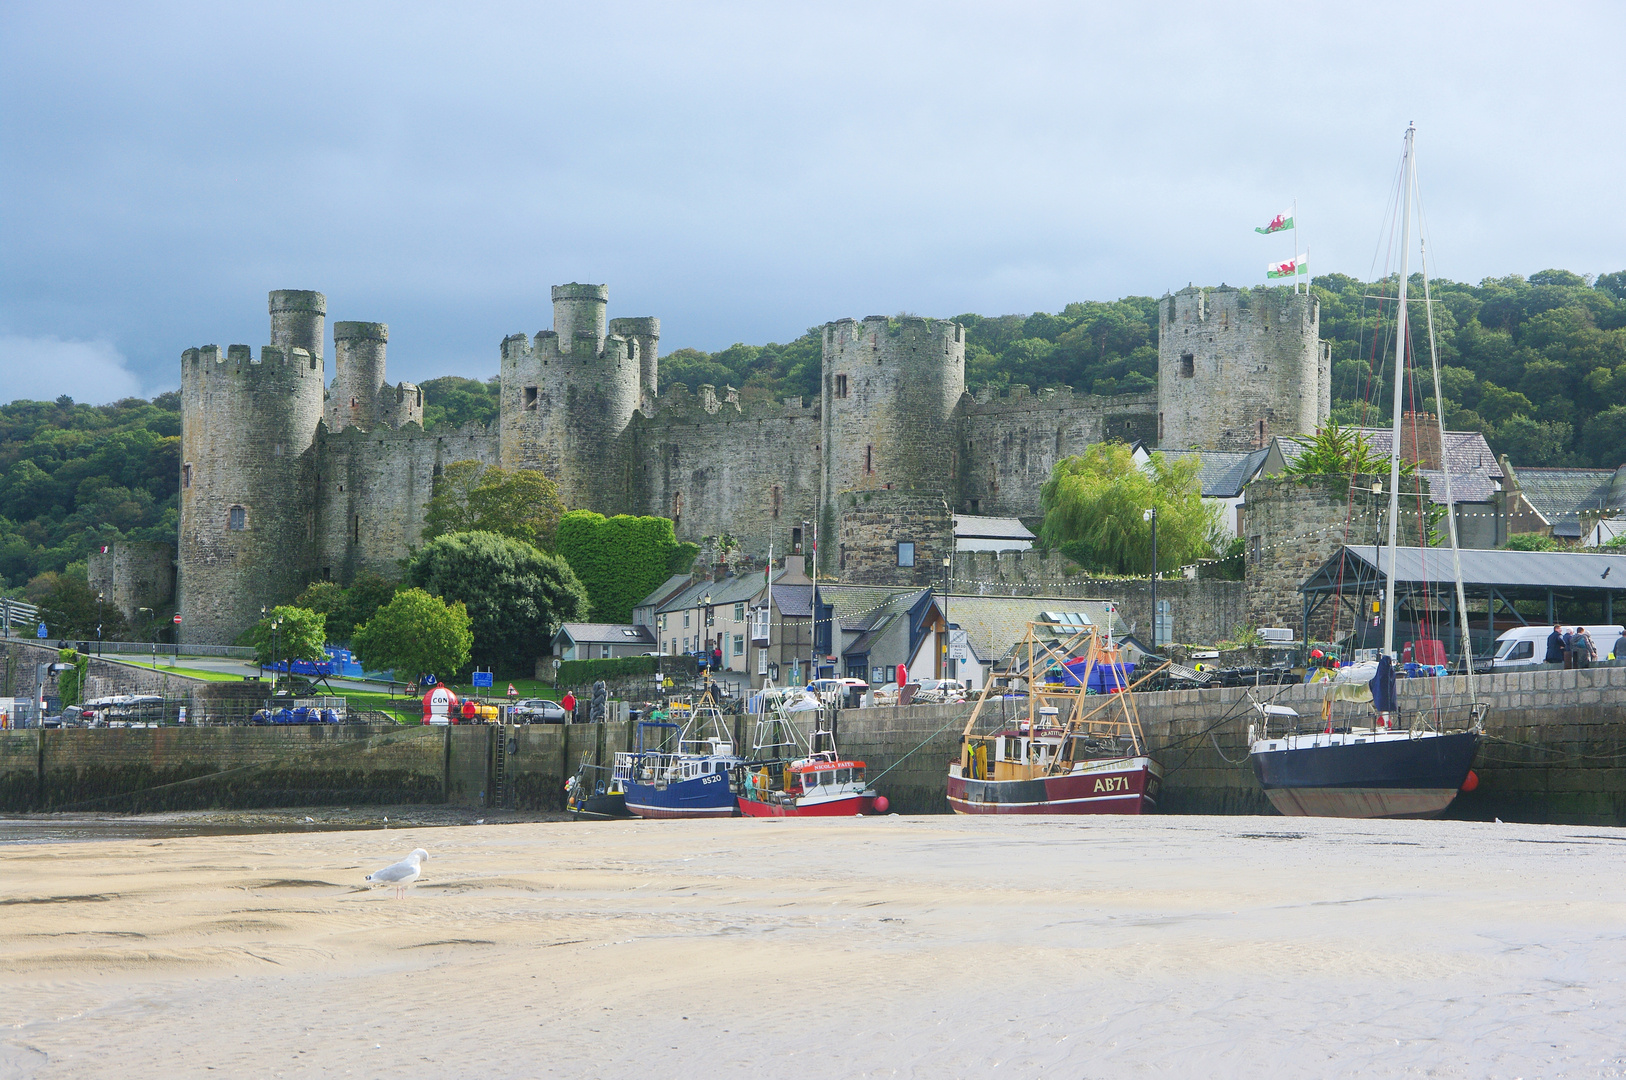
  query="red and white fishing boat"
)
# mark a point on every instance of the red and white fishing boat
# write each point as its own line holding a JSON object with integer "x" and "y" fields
{"x": 822, "y": 785}
{"x": 1047, "y": 744}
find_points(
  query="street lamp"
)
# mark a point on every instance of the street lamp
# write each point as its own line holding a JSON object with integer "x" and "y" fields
{"x": 947, "y": 660}
{"x": 1151, "y": 515}
{"x": 98, "y": 624}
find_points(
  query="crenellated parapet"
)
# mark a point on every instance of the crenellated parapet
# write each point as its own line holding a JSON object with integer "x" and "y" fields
{"x": 1237, "y": 366}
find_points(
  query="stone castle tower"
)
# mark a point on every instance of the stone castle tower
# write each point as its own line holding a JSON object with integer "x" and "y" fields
{"x": 247, "y": 532}
{"x": 1236, "y": 366}
{"x": 285, "y": 482}
{"x": 568, "y": 394}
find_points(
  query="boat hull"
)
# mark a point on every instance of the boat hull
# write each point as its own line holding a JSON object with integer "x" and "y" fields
{"x": 1379, "y": 778}
{"x": 600, "y": 806}
{"x": 1122, "y": 786}
{"x": 702, "y": 797}
{"x": 855, "y": 805}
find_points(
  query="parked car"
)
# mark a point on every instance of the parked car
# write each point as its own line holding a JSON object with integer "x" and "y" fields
{"x": 538, "y": 711}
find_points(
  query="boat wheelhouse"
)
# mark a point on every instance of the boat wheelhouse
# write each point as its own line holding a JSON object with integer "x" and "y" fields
{"x": 1043, "y": 739}
{"x": 691, "y": 779}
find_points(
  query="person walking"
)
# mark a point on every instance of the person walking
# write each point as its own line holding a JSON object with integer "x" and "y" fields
{"x": 1585, "y": 651}
{"x": 568, "y": 704}
{"x": 1555, "y": 645}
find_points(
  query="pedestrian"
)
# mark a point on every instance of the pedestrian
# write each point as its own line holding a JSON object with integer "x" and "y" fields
{"x": 568, "y": 703}
{"x": 1555, "y": 645}
{"x": 1585, "y": 650}
{"x": 1570, "y": 645}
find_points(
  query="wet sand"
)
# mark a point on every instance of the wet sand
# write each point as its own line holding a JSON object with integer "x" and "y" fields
{"x": 889, "y": 947}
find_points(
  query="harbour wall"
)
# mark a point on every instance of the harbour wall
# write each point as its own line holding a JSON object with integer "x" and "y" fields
{"x": 1555, "y": 747}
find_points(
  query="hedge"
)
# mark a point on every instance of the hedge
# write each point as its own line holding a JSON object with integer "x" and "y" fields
{"x": 620, "y": 560}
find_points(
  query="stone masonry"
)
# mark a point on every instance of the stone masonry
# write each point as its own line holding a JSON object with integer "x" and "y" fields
{"x": 286, "y": 480}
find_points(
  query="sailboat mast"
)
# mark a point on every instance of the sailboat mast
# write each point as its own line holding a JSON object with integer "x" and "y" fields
{"x": 1401, "y": 330}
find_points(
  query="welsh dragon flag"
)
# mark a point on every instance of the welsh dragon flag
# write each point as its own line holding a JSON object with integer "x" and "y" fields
{"x": 1280, "y": 222}
{"x": 1288, "y": 268}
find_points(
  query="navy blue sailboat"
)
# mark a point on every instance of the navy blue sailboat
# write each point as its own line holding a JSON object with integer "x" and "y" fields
{"x": 1397, "y": 764}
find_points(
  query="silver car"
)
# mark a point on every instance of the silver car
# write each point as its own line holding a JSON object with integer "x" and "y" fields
{"x": 538, "y": 711}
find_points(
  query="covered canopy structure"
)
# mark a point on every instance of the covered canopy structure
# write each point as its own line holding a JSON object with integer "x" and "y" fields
{"x": 1425, "y": 590}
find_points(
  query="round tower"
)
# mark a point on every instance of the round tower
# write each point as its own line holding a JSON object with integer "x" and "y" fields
{"x": 247, "y": 480}
{"x": 1237, "y": 366}
{"x": 579, "y": 312}
{"x": 298, "y": 320}
{"x": 567, "y": 396}
{"x": 358, "y": 374}
{"x": 644, "y": 338}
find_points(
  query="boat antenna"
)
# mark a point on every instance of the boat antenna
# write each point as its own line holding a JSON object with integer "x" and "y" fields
{"x": 1401, "y": 329}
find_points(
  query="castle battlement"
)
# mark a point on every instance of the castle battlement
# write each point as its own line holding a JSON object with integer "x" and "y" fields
{"x": 238, "y": 362}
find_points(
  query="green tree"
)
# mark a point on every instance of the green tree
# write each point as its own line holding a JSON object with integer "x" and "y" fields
{"x": 1531, "y": 542}
{"x": 1338, "y": 451}
{"x": 70, "y": 684}
{"x": 414, "y": 634}
{"x": 1605, "y": 437}
{"x": 1094, "y": 511}
{"x": 620, "y": 560}
{"x": 516, "y": 596}
{"x": 289, "y": 633}
{"x": 69, "y": 608}
{"x": 347, "y": 607}
{"x": 471, "y": 497}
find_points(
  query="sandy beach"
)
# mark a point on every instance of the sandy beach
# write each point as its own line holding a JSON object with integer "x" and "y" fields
{"x": 888, "y": 947}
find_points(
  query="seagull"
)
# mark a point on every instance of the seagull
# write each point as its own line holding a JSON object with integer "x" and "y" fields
{"x": 401, "y": 874}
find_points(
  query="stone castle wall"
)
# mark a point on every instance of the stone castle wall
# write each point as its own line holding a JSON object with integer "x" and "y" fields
{"x": 1290, "y": 528}
{"x": 133, "y": 575}
{"x": 714, "y": 466}
{"x": 873, "y": 523}
{"x": 372, "y": 492}
{"x": 1012, "y": 442}
{"x": 247, "y": 526}
{"x": 1236, "y": 366}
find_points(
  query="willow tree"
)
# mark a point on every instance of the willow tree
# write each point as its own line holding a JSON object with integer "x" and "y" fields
{"x": 1095, "y": 507}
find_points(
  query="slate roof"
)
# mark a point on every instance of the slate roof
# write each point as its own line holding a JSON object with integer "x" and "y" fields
{"x": 607, "y": 633}
{"x": 1475, "y": 473}
{"x": 1560, "y": 494}
{"x": 794, "y": 601}
{"x": 668, "y": 589}
{"x": 1224, "y": 473}
{"x": 1485, "y": 566}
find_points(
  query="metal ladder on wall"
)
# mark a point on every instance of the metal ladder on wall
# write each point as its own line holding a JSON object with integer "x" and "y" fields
{"x": 499, "y": 779}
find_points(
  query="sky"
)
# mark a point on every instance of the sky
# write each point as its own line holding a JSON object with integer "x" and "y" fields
{"x": 745, "y": 170}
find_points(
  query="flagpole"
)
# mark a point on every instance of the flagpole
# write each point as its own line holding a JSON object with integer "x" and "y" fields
{"x": 1295, "y": 245}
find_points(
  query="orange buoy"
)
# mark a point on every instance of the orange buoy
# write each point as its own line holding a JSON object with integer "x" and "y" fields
{"x": 1472, "y": 781}
{"x": 881, "y": 804}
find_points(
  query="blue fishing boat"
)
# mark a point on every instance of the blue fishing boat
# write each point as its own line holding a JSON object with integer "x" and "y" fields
{"x": 693, "y": 779}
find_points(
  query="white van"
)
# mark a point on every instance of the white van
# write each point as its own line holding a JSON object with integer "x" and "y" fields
{"x": 1526, "y": 646}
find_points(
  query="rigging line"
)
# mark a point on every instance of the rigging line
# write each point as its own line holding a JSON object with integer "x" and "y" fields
{"x": 951, "y": 720}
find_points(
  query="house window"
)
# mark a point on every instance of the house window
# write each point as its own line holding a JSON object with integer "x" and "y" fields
{"x": 663, "y": 624}
{"x": 530, "y": 397}
{"x": 762, "y": 661}
{"x": 685, "y": 626}
{"x": 604, "y": 652}
{"x": 237, "y": 521}
{"x": 906, "y": 553}
{"x": 739, "y": 612}
{"x": 841, "y": 386}
{"x": 186, "y": 475}
{"x": 739, "y": 644}
{"x": 1188, "y": 365}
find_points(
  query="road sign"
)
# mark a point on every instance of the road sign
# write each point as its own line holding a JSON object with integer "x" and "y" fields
{"x": 177, "y": 619}
{"x": 511, "y": 691}
{"x": 482, "y": 679}
{"x": 40, "y": 633}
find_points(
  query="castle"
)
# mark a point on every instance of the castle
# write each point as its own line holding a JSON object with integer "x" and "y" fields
{"x": 287, "y": 479}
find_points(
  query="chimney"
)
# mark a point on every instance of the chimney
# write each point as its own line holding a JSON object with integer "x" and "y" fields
{"x": 1420, "y": 440}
